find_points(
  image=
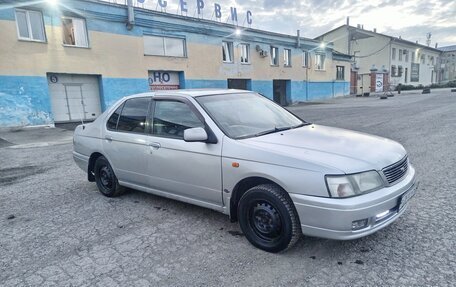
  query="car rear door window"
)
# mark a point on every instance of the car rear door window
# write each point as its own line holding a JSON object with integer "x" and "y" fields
{"x": 134, "y": 115}
{"x": 112, "y": 122}
{"x": 172, "y": 118}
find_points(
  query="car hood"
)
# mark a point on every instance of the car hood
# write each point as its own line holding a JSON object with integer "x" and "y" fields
{"x": 345, "y": 150}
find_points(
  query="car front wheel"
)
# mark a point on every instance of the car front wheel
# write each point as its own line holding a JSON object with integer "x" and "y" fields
{"x": 268, "y": 218}
{"x": 106, "y": 179}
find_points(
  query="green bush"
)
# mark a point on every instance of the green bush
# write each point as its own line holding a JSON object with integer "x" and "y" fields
{"x": 408, "y": 87}
{"x": 450, "y": 84}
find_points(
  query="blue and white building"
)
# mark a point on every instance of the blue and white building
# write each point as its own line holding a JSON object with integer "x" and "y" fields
{"x": 70, "y": 60}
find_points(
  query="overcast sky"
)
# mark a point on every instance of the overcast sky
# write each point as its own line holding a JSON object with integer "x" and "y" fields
{"x": 411, "y": 19}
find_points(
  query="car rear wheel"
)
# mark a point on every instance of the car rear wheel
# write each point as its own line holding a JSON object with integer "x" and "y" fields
{"x": 105, "y": 178}
{"x": 268, "y": 218}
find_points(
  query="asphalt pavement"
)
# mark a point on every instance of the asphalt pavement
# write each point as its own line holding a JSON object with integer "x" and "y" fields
{"x": 56, "y": 229}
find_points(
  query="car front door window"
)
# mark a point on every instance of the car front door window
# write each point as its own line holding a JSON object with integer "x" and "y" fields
{"x": 172, "y": 118}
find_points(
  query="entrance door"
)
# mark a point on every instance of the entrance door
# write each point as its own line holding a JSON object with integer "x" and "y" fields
{"x": 74, "y": 97}
{"x": 239, "y": 84}
{"x": 280, "y": 91}
{"x": 75, "y": 101}
{"x": 354, "y": 82}
{"x": 406, "y": 75}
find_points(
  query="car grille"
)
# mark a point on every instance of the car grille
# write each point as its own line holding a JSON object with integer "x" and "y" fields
{"x": 396, "y": 171}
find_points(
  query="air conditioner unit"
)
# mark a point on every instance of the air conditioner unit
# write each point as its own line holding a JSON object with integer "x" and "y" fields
{"x": 263, "y": 53}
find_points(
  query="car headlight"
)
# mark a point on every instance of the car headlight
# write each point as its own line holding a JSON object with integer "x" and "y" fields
{"x": 353, "y": 184}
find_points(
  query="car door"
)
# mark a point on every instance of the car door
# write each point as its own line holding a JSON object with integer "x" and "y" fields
{"x": 188, "y": 169}
{"x": 125, "y": 141}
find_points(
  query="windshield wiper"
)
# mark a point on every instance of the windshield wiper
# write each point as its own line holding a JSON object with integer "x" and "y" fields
{"x": 300, "y": 125}
{"x": 276, "y": 129}
{"x": 271, "y": 131}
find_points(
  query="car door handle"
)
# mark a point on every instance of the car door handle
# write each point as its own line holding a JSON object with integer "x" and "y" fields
{"x": 108, "y": 138}
{"x": 155, "y": 145}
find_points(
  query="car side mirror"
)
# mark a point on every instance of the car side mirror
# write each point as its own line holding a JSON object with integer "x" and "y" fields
{"x": 195, "y": 135}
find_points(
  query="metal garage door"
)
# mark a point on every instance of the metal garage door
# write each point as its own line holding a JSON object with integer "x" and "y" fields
{"x": 74, "y": 97}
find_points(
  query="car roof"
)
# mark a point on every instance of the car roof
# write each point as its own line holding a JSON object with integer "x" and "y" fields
{"x": 191, "y": 92}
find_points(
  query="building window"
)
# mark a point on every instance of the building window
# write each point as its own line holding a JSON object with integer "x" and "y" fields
{"x": 393, "y": 71}
{"x": 400, "y": 54}
{"x": 245, "y": 53}
{"x": 340, "y": 73}
{"x": 174, "y": 47}
{"x": 393, "y": 54}
{"x": 274, "y": 56}
{"x": 30, "y": 25}
{"x": 320, "y": 61}
{"x": 413, "y": 57}
{"x": 432, "y": 61}
{"x": 74, "y": 32}
{"x": 305, "y": 58}
{"x": 287, "y": 57}
{"x": 406, "y": 52}
{"x": 227, "y": 52}
{"x": 423, "y": 57}
{"x": 164, "y": 46}
{"x": 400, "y": 70}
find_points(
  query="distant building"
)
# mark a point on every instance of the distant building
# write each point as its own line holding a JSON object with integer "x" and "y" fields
{"x": 400, "y": 61}
{"x": 72, "y": 61}
{"x": 448, "y": 62}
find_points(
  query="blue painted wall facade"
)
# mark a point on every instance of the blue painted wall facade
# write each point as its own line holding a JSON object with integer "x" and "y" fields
{"x": 24, "y": 101}
{"x": 113, "y": 89}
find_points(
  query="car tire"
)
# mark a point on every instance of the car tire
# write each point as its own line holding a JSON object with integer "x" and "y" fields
{"x": 105, "y": 178}
{"x": 268, "y": 218}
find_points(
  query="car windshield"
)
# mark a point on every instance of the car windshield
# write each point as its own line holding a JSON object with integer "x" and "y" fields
{"x": 248, "y": 114}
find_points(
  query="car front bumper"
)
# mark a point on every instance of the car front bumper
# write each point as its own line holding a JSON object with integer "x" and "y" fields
{"x": 333, "y": 217}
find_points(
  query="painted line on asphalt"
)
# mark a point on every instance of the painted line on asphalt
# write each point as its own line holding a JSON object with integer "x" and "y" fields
{"x": 39, "y": 144}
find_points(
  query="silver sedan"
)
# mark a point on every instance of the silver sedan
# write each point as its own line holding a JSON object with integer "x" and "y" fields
{"x": 241, "y": 154}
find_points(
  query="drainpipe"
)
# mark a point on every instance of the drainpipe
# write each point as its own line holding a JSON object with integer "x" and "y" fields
{"x": 349, "y": 36}
{"x": 131, "y": 15}
{"x": 309, "y": 64}
{"x": 389, "y": 61}
{"x": 298, "y": 42}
